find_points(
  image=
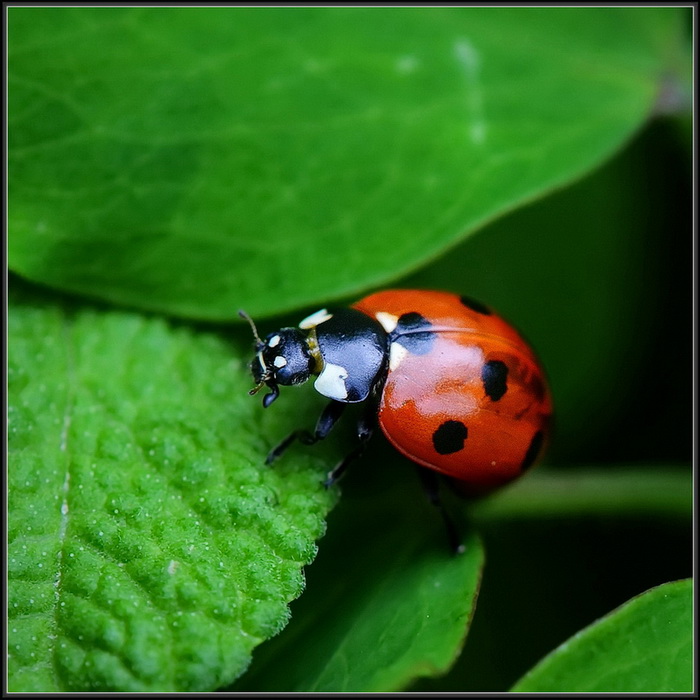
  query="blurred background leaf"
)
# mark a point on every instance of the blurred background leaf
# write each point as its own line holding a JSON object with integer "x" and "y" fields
{"x": 196, "y": 160}
{"x": 644, "y": 646}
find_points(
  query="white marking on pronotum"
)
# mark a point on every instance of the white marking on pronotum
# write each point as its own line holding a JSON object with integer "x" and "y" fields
{"x": 274, "y": 341}
{"x": 397, "y": 353}
{"x": 469, "y": 60}
{"x": 315, "y": 319}
{"x": 279, "y": 361}
{"x": 173, "y": 566}
{"x": 388, "y": 321}
{"x": 331, "y": 382}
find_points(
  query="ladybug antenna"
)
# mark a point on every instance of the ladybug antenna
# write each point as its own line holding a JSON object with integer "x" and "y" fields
{"x": 244, "y": 315}
{"x": 268, "y": 398}
{"x": 256, "y": 389}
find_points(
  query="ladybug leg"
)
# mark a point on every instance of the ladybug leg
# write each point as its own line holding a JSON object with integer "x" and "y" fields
{"x": 328, "y": 418}
{"x": 430, "y": 483}
{"x": 365, "y": 430}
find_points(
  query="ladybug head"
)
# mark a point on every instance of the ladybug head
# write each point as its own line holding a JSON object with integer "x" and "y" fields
{"x": 282, "y": 358}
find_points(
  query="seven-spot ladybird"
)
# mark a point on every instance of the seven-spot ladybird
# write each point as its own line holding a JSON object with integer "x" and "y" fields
{"x": 454, "y": 387}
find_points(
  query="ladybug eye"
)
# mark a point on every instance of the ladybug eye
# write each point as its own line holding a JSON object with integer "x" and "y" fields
{"x": 286, "y": 357}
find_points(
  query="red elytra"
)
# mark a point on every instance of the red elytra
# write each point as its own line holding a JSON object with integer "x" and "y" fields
{"x": 473, "y": 403}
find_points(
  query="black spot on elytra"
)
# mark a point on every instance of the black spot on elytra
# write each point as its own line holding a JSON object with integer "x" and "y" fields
{"x": 494, "y": 375}
{"x": 412, "y": 322}
{"x": 450, "y": 437}
{"x": 414, "y": 333}
{"x": 475, "y": 305}
{"x": 533, "y": 450}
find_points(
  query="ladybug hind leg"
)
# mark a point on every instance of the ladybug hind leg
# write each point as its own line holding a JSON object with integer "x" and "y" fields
{"x": 328, "y": 418}
{"x": 430, "y": 481}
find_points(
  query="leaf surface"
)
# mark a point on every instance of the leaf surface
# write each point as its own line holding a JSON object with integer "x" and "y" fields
{"x": 644, "y": 646}
{"x": 196, "y": 160}
{"x": 149, "y": 547}
{"x": 387, "y": 601}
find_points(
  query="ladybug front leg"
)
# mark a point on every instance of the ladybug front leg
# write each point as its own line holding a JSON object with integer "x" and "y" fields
{"x": 365, "y": 430}
{"x": 328, "y": 418}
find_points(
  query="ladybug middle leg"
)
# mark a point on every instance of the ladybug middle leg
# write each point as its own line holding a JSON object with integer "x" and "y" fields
{"x": 328, "y": 418}
{"x": 365, "y": 430}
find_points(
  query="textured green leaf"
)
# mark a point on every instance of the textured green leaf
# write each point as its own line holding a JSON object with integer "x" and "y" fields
{"x": 196, "y": 160}
{"x": 644, "y": 646}
{"x": 386, "y": 602}
{"x": 149, "y": 547}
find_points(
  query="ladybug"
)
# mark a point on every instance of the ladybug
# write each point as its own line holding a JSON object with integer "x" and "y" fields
{"x": 453, "y": 386}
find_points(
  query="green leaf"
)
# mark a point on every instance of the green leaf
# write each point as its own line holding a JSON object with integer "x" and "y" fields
{"x": 196, "y": 160}
{"x": 386, "y": 601}
{"x": 149, "y": 547}
{"x": 644, "y": 646}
